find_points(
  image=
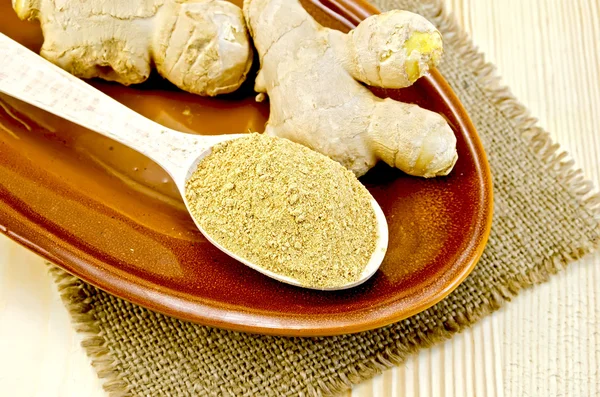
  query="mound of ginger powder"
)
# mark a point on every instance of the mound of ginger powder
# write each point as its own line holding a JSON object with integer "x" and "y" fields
{"x": 286, "y": 208}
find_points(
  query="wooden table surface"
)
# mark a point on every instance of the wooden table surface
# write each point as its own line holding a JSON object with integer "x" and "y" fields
{"x": 545, "y": 343}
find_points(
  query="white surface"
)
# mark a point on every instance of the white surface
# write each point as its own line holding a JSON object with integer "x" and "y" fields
{"x": 545, "y": 343}
{"x": 40, "y": 351}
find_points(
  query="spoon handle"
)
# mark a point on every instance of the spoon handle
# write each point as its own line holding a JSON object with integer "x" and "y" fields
{"x": 27, "y": 76}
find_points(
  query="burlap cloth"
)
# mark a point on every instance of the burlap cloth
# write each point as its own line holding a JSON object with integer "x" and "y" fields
{"x": 545, "y": 217}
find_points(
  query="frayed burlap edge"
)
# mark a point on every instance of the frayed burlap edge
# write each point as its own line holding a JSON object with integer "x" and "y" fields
{"x": 555, "y": 160}
{"x": 84, "y": 319}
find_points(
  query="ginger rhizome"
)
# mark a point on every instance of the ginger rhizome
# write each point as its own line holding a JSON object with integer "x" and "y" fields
{"x": 201, "y": 46}
{"x": 313, "y": 78}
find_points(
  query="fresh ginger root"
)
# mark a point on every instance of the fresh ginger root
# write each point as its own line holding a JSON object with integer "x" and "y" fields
{"x": 201, "y": 46}
{"x": 312, "y": 75}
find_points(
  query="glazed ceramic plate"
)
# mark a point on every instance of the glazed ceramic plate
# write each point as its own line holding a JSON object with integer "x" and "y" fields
{"x": 114, "y": 218}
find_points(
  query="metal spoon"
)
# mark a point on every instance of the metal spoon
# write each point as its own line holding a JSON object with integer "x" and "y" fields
{"x": 30, "y": 78}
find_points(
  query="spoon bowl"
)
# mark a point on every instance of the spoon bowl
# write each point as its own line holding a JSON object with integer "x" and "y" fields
{"x": 28, "y": 77}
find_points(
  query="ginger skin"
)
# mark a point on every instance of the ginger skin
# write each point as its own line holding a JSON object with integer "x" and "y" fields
{"x": 201, "y": 46}
{"x": 313, "y": 77}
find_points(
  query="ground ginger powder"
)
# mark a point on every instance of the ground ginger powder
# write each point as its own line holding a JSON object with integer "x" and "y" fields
{"x": 286, "y": 208}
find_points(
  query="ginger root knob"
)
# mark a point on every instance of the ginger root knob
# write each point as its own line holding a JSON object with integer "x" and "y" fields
{"x": 392, "y": 49}
{"x": 201, "y": 46}
{"x": 313, "y": 77}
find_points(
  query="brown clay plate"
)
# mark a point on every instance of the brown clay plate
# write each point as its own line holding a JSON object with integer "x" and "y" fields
{"x": 113, "y": 218}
